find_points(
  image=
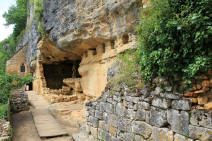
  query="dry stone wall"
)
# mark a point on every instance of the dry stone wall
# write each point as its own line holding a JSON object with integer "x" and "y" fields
{"x": 4, "y": 129}
{"x": 137, "y": 115}
{"x": 19, "y": 101}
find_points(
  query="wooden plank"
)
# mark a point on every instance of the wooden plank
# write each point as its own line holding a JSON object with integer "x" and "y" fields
{"x": 46, "y": 124}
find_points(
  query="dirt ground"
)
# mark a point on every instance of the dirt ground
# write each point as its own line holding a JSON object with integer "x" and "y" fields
{"x": 24, "y": 129}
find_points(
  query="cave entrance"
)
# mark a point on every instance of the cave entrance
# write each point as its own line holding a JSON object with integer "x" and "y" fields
{"x": 30, "y": 86}
{"x": 55, "y": 73}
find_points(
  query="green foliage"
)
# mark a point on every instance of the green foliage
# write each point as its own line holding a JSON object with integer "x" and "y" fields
{"x": 7, "y": 49}
{"x": 175, "y": 39}
{"x": 3, "y": 111}
{"x": 20, "y": 36}
{"x": 8, "y": 82}
{"x": 17, "y": 15}
{"x": 41, "y": 29}
{"x": 38, "y": 9}
{"x": 128, "y": 71}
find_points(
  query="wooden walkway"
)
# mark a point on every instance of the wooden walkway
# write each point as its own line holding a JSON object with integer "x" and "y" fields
{"x": 46, "y": 125}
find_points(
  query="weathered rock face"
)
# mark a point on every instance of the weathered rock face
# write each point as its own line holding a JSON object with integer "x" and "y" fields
{"x": 79, "y": 25}
{"x": 91, "y": 32}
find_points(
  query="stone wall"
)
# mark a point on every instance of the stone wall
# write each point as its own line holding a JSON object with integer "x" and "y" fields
{"x": 201, "y": 94}
{"x": 4, "y": 130}
{"x": 16, "y": 61}
{"x": 19, "y": 101}
{"x": 138, "y": 115}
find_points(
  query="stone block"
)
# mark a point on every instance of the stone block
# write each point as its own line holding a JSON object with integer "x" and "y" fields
{"x": 200, "y": 133}
{"x": 143, "y": 105}
{"x": 201, "y": 118}
{"x": 135, "y": 99}
{"x": 107, "y": 136}
{"x": 101, "y": 106}
{"x": 142, "y": 128}
{"x": 202, "y": 99}
{"x": 124, "y": 125}
{"x": 181, "y": 104}
{"x": 179, "y": 121}
{"x": 170, "y": 96}
{"x": 114, "y": 138}
{"x": 162, "y": 134}
{"x": 145, "y": 91}
{"x": 158, "y": 117}
{"x": 161, "y": 103}
{"x": 208, "y": 106}
{"x": 109, "y": 108}
{"x": 102, "y": 125}
{"x": 112, "y": 130}
{"x": 113, "y": 119}
{"x": 116, "y": 98}
{"x": 127, "y": 137}
{"x": 128, "y": 105}
{"x": 158, "y": 90}
{"x": 138, "y": 138}
{"x": 94, "y": 121}
{"x": 120, "y": 110}
{"x": 110, "y": 100}
{"x": 101, "y": 134}
{"x": 94, "y": 132}
{"x": 178, "y": 137}
{"x": 105, "y": 117}
{"x": 131, "y": 114}
{"x": 98, "y": 114}
{"x": 135, "y": 107}
{"x": 141, "y": 115}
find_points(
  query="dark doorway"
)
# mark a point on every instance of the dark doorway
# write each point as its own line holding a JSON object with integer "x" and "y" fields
{"x": 30, "y": 85}
{"x": 57, "y": 72}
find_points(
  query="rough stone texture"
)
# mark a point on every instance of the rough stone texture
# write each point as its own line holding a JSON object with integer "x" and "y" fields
{"x": 161, "y": 103}
{"x": 162, "y": 134}
{"x": 201, "y": 118}
{"x": 4, "y": 128}
{"x": 181, "y": 104}
{"x": 200, "y": 133}
{"x": 158, "y": 117}
{"x": 142, "y": 128}
{"x": 60, "y": 23}
{"x": 132, "y": 119}
{"x": 19, "y": 101}
{"x": 178, "y": 137}
{"x": 179, "y": 121}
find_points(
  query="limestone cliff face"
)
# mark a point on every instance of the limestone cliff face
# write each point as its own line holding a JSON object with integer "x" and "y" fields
{"x": 79, "y": 25}
{"x": 91, "y": 32}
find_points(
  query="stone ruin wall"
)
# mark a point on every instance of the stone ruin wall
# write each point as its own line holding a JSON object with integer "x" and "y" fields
{"x": 139, "y": 115}
{"x": 14, "y": 64}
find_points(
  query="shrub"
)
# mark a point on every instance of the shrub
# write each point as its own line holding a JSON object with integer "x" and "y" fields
{"x": 128, "y": 71}
{"x": 3, "y": 111}
{"x": 17, "y": 16}
{"x": 8, "y": 82}
{"x": 175, "y": 40}
{"x": 38, "y": 9}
